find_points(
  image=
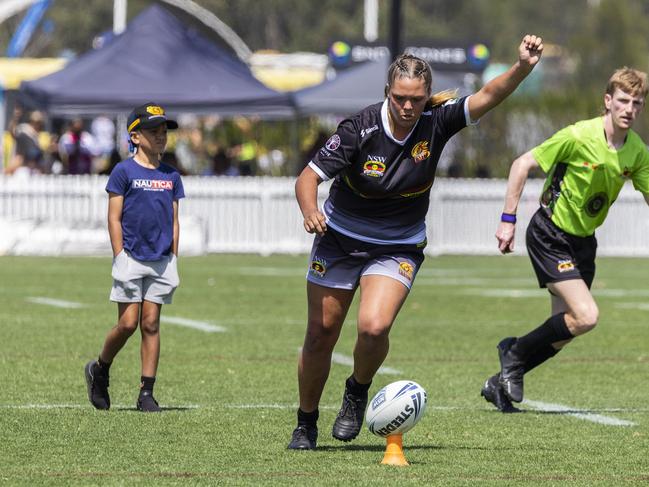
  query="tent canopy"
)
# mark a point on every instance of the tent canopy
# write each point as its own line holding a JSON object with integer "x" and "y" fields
{"x": 362, "y": 85}
{"x": 15, "y": 70}
{"x": 157, "y": 58}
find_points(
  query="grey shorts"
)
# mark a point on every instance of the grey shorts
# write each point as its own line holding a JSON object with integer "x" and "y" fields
{"x": 339, "y": 261}
{"x": 135, "y": 281}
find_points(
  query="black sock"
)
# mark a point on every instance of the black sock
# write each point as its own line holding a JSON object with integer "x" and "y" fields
{"x": 355, "y": 388}
{"x": 103, "y": 366}
{"x": 553, "y": 330}
{"x": 147, "y": 384}
{"x": 307, "y": 419}
{"x": 539, "y": 356}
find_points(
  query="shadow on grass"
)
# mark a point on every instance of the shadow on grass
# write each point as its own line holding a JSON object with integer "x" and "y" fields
{"x": 381, "y": 448}
{"x": 133, "y": 409}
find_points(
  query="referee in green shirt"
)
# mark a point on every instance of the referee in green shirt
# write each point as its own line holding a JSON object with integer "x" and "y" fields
{"x": 586, "y": 165}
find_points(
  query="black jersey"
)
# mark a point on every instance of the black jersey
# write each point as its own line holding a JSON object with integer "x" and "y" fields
{"x": 381, "y": 190}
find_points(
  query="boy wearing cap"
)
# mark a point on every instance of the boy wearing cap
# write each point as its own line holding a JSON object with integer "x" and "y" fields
{"x": 143, "y": 226}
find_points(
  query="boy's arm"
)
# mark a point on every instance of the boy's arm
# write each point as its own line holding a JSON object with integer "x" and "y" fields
{"x": 115, "y": 206}
{"x": 174, "y": 243}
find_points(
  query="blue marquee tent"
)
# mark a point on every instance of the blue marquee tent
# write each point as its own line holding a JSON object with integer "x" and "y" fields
{"x": 157, "y": 58}
{"x": 363, "y": 85}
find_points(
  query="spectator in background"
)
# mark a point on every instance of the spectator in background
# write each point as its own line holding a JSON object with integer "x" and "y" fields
{"x": 28, "y": 150}
{"x": 310, "y": 152}
{"x": 190, "y": 145}
{"x": 77, "y": 149}
{"x": 113, "y": 159}
{"x": 221, "y": 164}
{"x": 102, "y": 129}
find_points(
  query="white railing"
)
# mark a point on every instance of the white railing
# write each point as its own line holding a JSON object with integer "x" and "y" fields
{"x": 67, "y": 215}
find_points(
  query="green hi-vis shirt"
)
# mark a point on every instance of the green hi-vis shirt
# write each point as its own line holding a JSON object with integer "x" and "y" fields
{"x": 585, "y": 175}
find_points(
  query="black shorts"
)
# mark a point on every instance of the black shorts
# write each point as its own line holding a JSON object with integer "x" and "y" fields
{"x": 339, "y": 261}
{"x": 558, "y": 256}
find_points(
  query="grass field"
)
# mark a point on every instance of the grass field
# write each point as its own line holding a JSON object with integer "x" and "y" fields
{"x": 230, "y": 395}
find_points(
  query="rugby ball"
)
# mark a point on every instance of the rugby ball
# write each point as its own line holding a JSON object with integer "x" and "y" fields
{"x": 396, "y": 408}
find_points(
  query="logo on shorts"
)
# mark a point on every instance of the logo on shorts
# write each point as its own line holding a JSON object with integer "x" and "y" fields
{"x": 374, "y": 168}
{"x": 333, "y": 143}
{"x": 406, "y": 269}
{"x": 318, "y": 267}
{"x": 565, "y": 266}
{"x": 420, "y": 151}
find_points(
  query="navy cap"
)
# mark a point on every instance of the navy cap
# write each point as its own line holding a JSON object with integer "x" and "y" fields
{"x": 148, "y": 116}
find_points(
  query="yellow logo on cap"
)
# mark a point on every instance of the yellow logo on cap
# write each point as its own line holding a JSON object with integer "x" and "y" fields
{"x": 155, "y": 110}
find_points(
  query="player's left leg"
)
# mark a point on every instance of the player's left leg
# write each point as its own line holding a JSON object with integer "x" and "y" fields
{"x": 528, "y": 351}
{"x": 150, "y": 354}
{"x": 559, "y": 306}
{"x": 380, "y": 301}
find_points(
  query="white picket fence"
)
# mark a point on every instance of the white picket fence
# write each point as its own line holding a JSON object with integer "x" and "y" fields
{"x": 50, "y": 215}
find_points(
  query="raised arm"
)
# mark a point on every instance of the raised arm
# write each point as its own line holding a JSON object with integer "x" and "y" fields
{"x": 518, "y": 174}
{"x": 306, "y": 192}
{"x": 499, "y": 88}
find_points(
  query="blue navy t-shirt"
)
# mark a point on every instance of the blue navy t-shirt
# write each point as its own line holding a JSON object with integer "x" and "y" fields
{"x": 381, "y": 190}
{"x": 147, "y": 214}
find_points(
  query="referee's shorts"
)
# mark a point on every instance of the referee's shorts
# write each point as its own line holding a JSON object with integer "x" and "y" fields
{"x": 558, "y": 256}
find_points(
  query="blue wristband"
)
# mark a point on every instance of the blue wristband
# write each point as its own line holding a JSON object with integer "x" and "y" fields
{"x": 508, "y": 217}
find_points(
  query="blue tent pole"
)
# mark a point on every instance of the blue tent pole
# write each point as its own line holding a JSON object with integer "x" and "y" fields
{"x": 26, "y": 28}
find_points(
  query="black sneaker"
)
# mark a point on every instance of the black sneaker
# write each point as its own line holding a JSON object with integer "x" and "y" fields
{"x": 511, "y": 370}
{"x": 304, "y": 438}
{"x": 97, "y": 382}
{"x": 146, "y": 403}
{"x": 350, "y": 417}
{"x": 492, "y": 391}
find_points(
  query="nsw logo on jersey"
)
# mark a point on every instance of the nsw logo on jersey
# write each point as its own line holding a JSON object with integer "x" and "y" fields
{"x": 374, "y": 167}
{"x": 152, "y": 184}
{"x": 420, "y": 151}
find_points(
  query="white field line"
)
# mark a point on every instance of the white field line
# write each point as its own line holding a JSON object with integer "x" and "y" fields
{"x": 640, "y": 306}
{"x": 340, "y": 359}
{"x": 273, "y": 271}
{"x": 506, "y": 293}
{"x": 57, "y": 303}
{"x": 197, "y": 325}
{"x": 469, "y": 281}
{"x": 195, "y": 406}
{"x": 581, "y": 414}
{"x": 538, "y": 293}
{"x": 590, "y": 415}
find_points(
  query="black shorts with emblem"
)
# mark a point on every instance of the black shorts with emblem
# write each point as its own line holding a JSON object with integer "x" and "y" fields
{"x": 339, "y": 261}
{"x": 558, "y": 256}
